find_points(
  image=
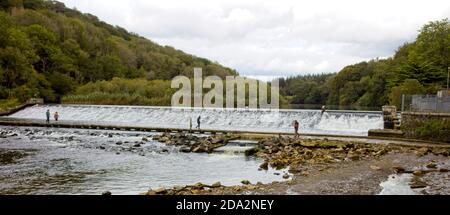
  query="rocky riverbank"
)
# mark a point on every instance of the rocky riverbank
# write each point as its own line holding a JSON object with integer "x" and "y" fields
{"x": 192, "y": 143}
{"x": 321, "y": 159}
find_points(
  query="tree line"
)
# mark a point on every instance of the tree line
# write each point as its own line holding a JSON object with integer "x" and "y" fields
{"x": 48, "y": 50}
{"x": 418, "y": 67}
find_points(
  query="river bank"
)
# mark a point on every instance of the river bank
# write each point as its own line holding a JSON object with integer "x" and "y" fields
{"x": 339, "y": 167}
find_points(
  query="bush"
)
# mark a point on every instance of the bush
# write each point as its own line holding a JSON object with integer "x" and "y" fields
{"x": 434, "y": 130}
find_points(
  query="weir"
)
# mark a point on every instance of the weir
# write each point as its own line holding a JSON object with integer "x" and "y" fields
{"x": 346, "y": 123}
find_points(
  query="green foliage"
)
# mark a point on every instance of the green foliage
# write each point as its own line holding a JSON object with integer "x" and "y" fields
{"x": 49, "y": 50}
{"x": 409, "y": 87}
{"x": 379, "y": 82}
{"x": 434, "y": 130}
{"x": 5, "y": 104}
{"x": 121, "y": 91}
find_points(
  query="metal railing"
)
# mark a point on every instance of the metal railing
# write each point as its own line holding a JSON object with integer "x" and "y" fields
{"x": 425, "y": 103}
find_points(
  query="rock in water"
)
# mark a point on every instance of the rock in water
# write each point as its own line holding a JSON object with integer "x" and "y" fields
{"x": 216, "y": 185}
{"x": 432, "y": 165}
{"x": 398, "y": 169}
{"x": 376, "y": 168}
{"x": 245, "y": 182}
{"x": 160, "y": 191}
{"x": 106, "y": 193}
{"x": 264, "y": 166}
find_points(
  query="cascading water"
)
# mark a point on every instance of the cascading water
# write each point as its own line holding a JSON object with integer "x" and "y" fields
{"x": 311, "y": 121}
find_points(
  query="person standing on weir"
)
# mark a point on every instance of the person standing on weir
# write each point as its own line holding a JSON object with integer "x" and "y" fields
{"x": 198, "y": 122}
{"x": 48, "y": 116}
{"x": 56, "y": 116}
{"x": 296, "y": 125}
{"x": 324, "y": 109}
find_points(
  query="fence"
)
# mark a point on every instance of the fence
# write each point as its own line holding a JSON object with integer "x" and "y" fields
{"x": 425, "y": 103}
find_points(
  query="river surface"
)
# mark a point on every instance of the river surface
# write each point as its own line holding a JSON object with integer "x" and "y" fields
{"x": 356, "y": 123}
{"x": 68, "y": 161}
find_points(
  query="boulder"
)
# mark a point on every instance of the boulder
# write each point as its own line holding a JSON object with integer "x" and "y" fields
{"x": 398, "y": 169}
{"x": 245, "y": 182}
{"x": 106, "y": 193}
{"x": 185, "y": 149}
{"x": 432, "y": 165}
{"x": 200, "y": 149}
{"x": 376, "y": 168}
{"x": 216, "y": 185}
{"x": 160, "y": 191}
{"x": 286, "y": 176}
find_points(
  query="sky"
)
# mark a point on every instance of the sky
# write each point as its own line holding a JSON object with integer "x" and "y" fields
{"x": 262, "y": 38}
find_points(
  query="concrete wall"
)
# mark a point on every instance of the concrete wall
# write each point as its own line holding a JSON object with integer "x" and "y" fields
{"x": 412, "y": 122}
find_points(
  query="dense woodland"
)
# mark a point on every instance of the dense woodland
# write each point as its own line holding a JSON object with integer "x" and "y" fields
{"x": 419, "y": 67}
{"x": 48, "y": 50}
{"x": 61, "y": 54}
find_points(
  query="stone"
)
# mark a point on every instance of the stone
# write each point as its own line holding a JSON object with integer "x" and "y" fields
{"x": 398, "y": 169}
{"x": 432, "y": 165}
{"x": 185, "y": 149}
{"x": 145, "y": 139}
{"x": 106, "y": 193}
{"x": 264, "y": 166}
{"x": 418, "y": 184}
{"x": 199, "y": 149}
{"x": 286, "y": 176}
{"x": 199, "y": 186}
{"x": 422, "y": 152}
{"x": 376, "y": 168}
{"x": 245, "y": 182}
{"x": 119, "y": 143}
{"x": 137, "y": 145}
{"x": 443, "y": 170}
{"x": 216, "y": 185}
{"x": 160, "y": 191}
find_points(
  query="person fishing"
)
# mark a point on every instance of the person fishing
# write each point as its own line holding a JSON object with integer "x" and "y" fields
{"x": 48, "y": 116}
{"x": 296, "y": 125}
{"x": 198, "y": 122}
{"x": 56, "y": 116}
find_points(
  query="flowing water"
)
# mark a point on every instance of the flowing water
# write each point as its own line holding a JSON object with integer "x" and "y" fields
{"x": 68, "y": 161}
{"x": 311, "y": 121}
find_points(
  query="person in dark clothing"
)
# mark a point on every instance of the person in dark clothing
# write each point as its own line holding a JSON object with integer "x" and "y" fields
{"x": 48, "y": 116}
{"x": 198, "y": 122}
{"x": 324, "y": 109}
{"x": 296, "y": 125}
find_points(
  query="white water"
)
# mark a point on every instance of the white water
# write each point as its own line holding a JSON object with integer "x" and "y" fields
{"x": 311, "y": 121}
{"x": 397, "y": 185}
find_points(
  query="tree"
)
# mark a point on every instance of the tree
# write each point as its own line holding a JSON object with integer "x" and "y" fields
{"x": 409, "y": 87}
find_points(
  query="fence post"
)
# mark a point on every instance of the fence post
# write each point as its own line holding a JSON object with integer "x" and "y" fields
{"x": 436, "y": 104}
{"x": 403, "y": 103}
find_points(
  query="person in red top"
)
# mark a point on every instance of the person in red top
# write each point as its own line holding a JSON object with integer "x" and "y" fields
{"x": 56, "y": 116}
{"x": 296, "y": 125}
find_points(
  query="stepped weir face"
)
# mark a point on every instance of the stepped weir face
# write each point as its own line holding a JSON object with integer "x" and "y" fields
{"x": 352, "y": 123}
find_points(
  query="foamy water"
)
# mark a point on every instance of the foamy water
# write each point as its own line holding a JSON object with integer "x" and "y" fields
{"x": 311, "y": 121}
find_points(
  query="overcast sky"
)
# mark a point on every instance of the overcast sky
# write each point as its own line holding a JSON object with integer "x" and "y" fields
{"x": 274, "y": 38}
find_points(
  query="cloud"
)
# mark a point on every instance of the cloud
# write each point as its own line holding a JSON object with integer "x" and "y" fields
{"x": 274, "y": 38}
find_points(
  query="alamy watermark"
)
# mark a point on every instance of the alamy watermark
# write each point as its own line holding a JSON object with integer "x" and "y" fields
{"x": 231, "y": 93}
